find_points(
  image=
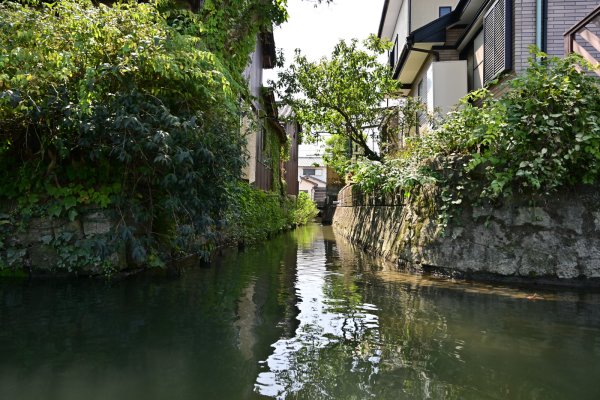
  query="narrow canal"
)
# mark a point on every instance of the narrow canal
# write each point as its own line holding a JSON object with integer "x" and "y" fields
{"x": 304, "y": 316}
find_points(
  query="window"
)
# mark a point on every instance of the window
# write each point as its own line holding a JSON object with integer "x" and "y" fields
{"x": 421, "y": 90}
{"x": 445, "y": 11}
{"x": 497, "y": 40}
{"x": 309, "y": 171}
{"x": 478, "y": 61}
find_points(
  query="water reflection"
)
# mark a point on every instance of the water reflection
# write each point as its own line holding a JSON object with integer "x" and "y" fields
{"x": 366, "y": 331}
{"x": 337, "y": 334}
{"x": 306, "y": 316}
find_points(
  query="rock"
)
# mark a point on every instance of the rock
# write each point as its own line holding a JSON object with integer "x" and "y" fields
{"x": 97, "y": 223}
{"x": 42, "y": 257}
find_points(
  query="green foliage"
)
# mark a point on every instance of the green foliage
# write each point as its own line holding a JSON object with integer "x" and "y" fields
{"x": 545, "y": 133}
{"x": 542, "y": 135}
{"x": 133, "y": 107}
{"x": 337, "y": 154}
{"x": 305, "y": 210}
{"x": 341, "y": 95}
{"x": 255, "y": 214}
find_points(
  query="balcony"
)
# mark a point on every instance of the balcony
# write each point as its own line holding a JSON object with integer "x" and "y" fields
{"x": 583, "y": 38}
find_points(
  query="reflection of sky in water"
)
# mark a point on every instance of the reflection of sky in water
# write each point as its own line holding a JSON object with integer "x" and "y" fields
{"x": 324, "y": 321}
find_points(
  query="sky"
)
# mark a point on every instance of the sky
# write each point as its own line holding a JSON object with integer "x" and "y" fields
{"x": 316, "y": 30}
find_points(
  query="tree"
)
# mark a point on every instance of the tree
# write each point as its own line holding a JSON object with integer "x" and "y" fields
{"x": 343, "y": 94}
{"x": 337, "y": 154}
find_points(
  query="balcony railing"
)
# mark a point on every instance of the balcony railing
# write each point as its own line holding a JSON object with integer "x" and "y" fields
{"x": 581, "y": 38}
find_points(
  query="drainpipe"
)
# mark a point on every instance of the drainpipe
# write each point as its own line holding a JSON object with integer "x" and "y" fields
{"x": 539, "y": 25}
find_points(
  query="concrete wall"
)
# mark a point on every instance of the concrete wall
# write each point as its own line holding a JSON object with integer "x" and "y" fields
{"x": 555, "y": 241}
{"x": 424, "y": 12}
{"x": 448, "y": 82}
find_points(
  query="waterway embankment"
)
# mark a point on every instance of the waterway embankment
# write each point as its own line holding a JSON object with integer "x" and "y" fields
{"x": 554, "y": 240}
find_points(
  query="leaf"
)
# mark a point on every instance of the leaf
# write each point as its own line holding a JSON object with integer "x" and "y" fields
{"x": 73, "y": 214}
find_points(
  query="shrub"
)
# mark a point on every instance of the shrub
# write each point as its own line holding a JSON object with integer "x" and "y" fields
{"x": 305, "y": 209}
{"x": 118, "y": 107}
{"x": 543, "y": 134}
{"x": 255, "y": 215}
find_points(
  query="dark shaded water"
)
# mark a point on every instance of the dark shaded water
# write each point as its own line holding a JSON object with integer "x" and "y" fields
{"x": 304, "y": 316}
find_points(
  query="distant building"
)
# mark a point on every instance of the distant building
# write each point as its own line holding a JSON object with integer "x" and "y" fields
{"x": 292, "y": 129}
{"x": 322, "y": 183}
{"x": 265, "y": 135}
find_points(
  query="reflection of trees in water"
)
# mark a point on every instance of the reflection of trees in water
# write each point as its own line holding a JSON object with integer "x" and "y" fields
{"x": 335, "y": 348}
{"x": 411, "y": 332}
{"x": 148, "y": 337}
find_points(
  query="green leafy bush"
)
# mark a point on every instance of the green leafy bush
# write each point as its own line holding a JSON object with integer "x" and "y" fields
{"x": 255, "y": 215}
{"x": 305, "y": 210}
{"x": 543, "y": 134}
{"x": 126, "y": 107}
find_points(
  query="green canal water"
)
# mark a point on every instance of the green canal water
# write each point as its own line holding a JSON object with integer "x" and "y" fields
{"x": 305, "y": 316}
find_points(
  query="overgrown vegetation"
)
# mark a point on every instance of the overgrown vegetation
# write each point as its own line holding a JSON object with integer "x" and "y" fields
{"x": 132, "y": 108}
{"x": 542, "y": 135}
{"x": 256, "y": 215}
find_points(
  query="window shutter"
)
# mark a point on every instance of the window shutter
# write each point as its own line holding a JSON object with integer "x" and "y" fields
{"x": 497, "y": 40}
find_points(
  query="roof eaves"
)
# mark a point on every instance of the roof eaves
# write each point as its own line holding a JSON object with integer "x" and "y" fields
{"x": 433, "y": 32}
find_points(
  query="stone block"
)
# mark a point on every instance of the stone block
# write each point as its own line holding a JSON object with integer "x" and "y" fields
{"x": 535, "y": 216}
{"x": 97, "y": 223}
{"x": 65, "y": 226}
{"x": 42, "y": 257}
{"x": 34, "y": 231}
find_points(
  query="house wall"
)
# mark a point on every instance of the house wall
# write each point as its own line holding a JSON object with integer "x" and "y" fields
{"x": 321, "y": 172}
{"x": 307, "y": 187}
{"x": 401, "y": 29}
{"x": 524, "y": 32}
{"x": 562, "y": 15}
{"x": 254, "y": 75}
{"x": 291, "y": 165}
{"x": 424, "y": 12}
{"x": 445, "y": 82}
{"x": 249, "y": 170}
{"x": 449, "y": 84}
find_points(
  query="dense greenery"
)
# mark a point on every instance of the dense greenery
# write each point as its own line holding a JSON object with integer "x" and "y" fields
{"x": 342, "y": 95}
{"x": 134, "y": 108}
{"x": 542, "y": 135}
{"x": 255, "y": 215}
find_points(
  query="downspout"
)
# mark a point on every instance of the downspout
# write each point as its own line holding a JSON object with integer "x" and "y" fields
{"x": 540, "y": 25}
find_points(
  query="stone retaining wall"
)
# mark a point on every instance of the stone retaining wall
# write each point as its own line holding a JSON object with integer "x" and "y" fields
{"x": 39, "y": 245}
{"x": 556, "y": 240}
